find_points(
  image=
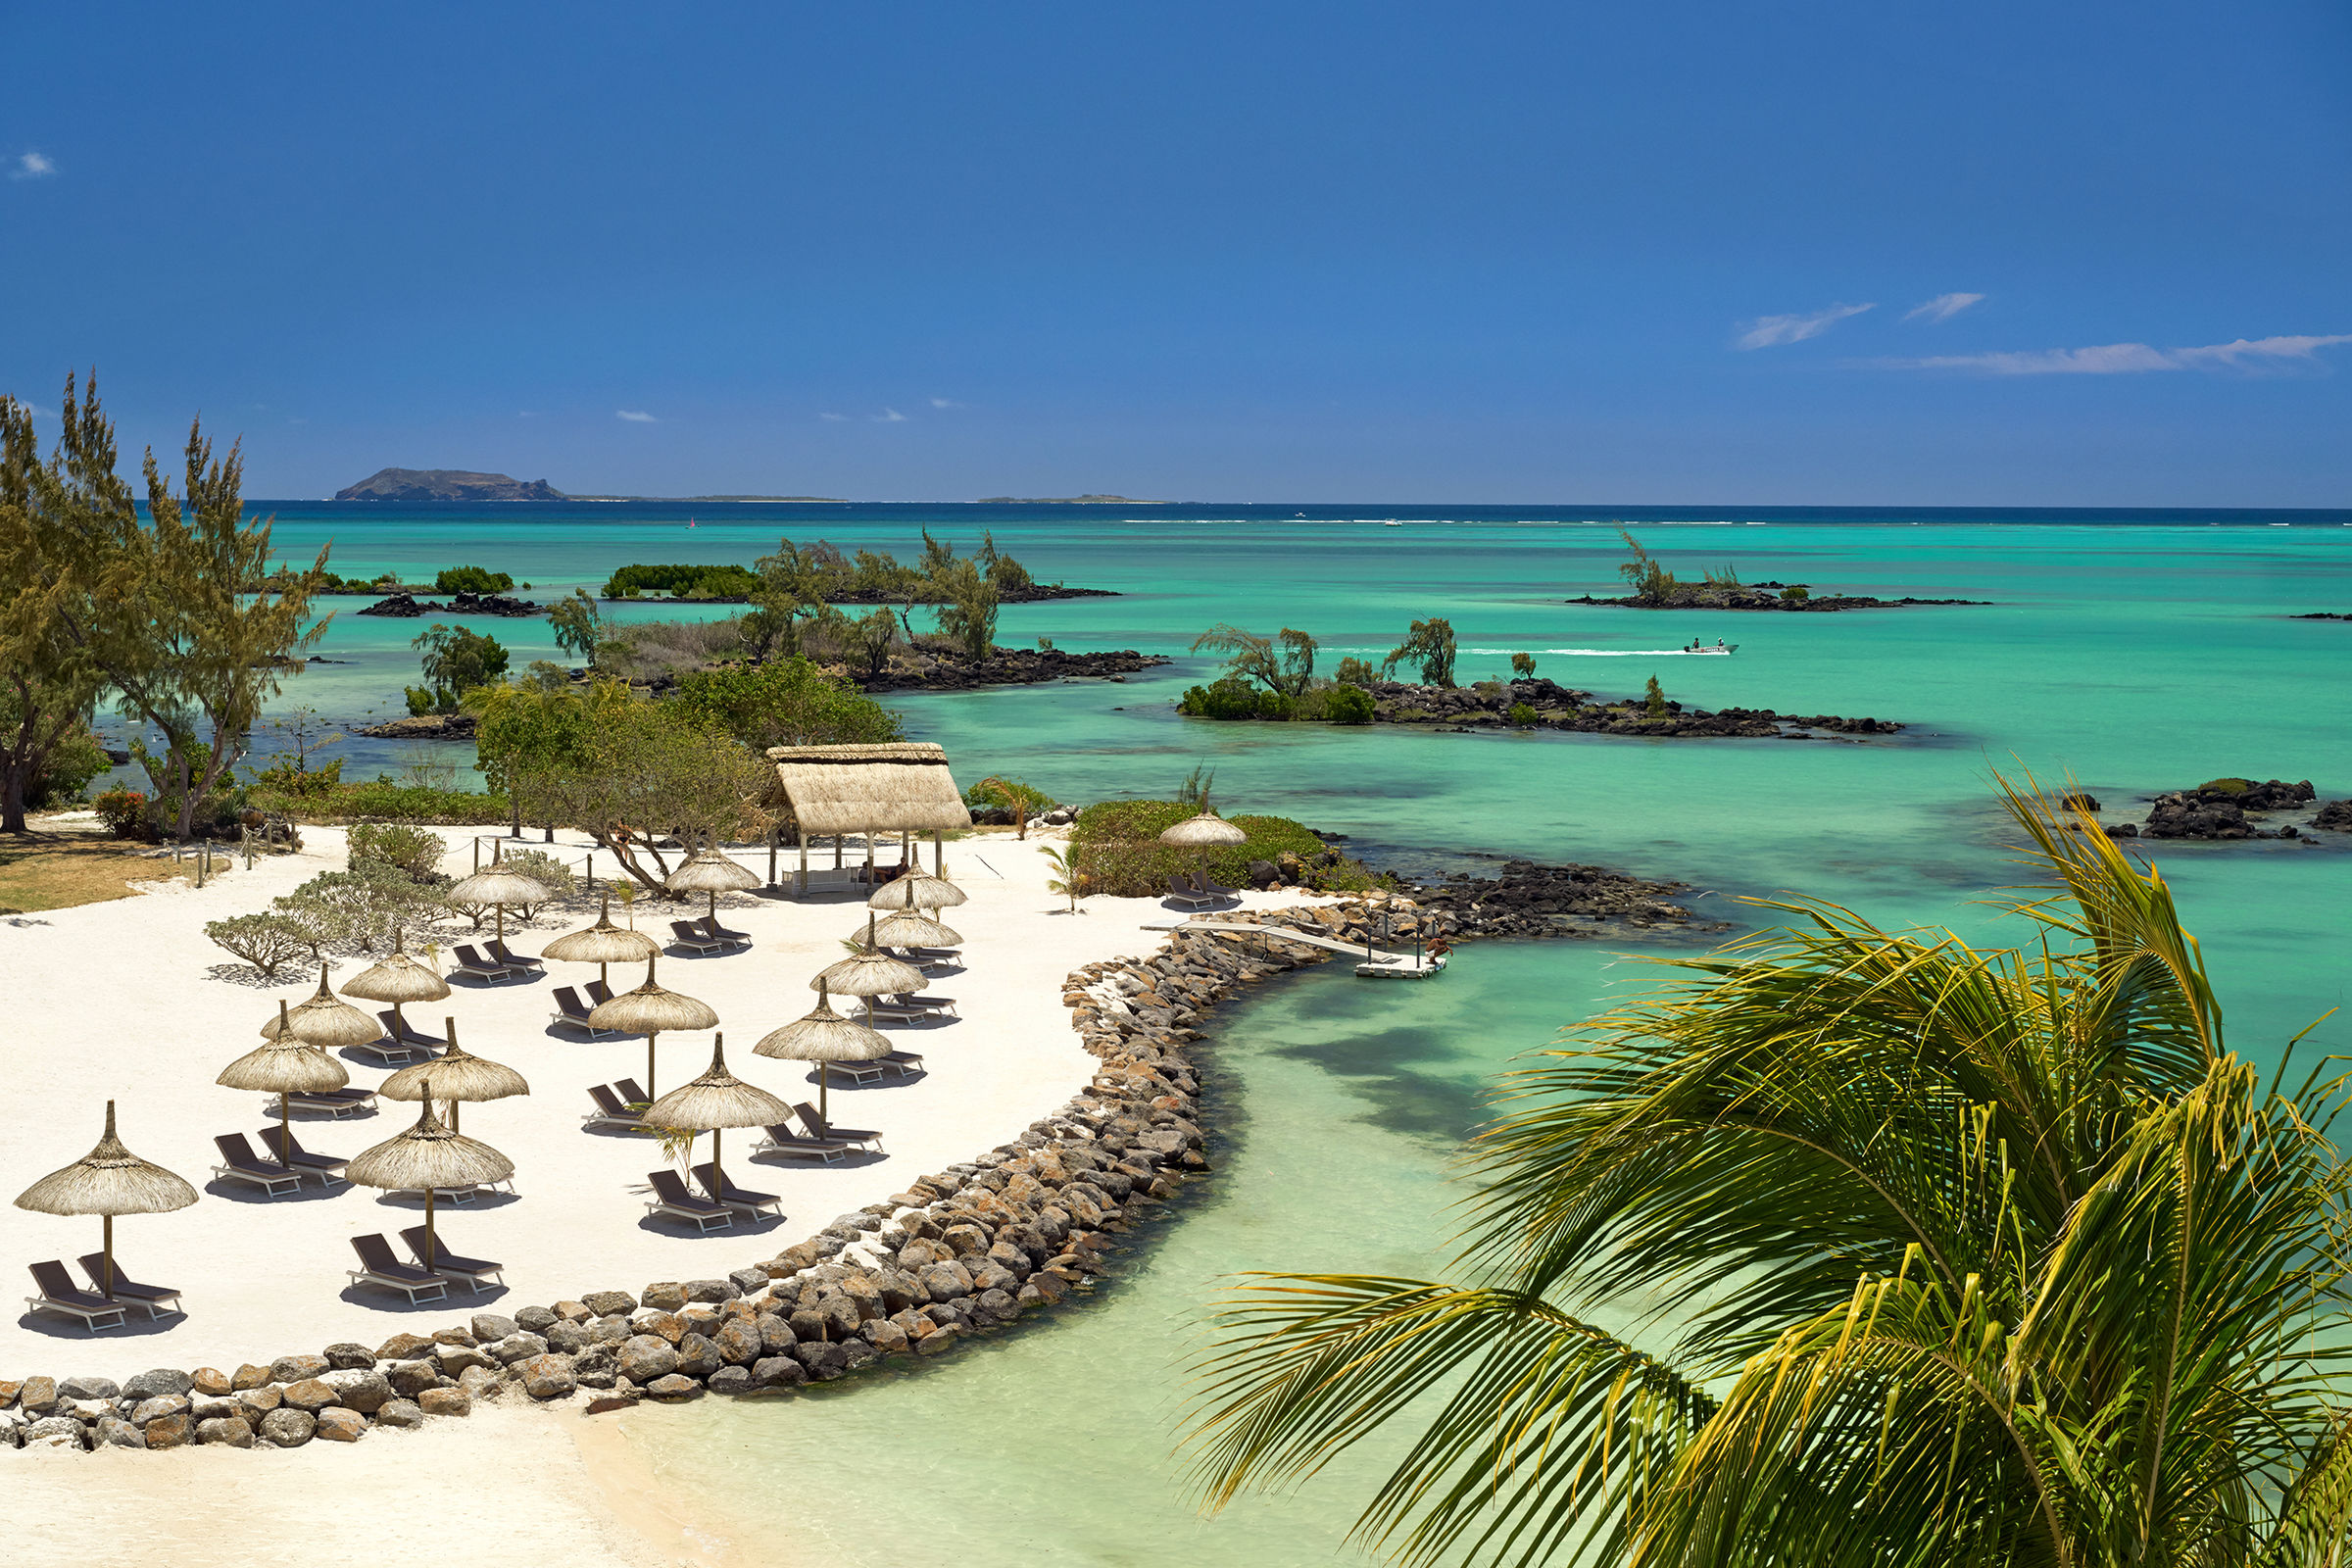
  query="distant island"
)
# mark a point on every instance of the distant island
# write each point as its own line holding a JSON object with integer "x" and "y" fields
{"x": 842, "y": 500}
{"x": 447, "y": 484}
{"x": 1065, "y": 501}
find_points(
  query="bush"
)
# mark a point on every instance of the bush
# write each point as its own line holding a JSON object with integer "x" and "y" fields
{"x": 682, "y": 580}
{"x": 1355, "y": 672}
{"x": 472, "y": 580}
{"x": 126, "y": 814}
{"x": 1523, "y": 666}
{"x": 385, "y": 800}
{"x": 302, "y": 783}
{"x": 543, "y": 868}
{"x": 361, "y": 905}
{"x": 1348, "y": 705}
{"x": 1795, "y": 594}
{"x": 2225, "y": 786}
{"x": 268, "y": 942}
{"x": 411, "y": 851}
{"x": 1235, "y": 698}
{"x": 1123, "y": 857}
{"x": 74, "y": 761}
{"x": 1003, "y": 793}
{"x": 788, "y": 701}
{"x": 1522, "y": 716}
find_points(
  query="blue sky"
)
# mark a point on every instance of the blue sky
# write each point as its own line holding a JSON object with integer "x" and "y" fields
{"x": 1857, "y": 254}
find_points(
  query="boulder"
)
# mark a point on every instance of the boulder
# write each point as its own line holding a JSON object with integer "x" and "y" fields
{"x": 445, "y": 1401}
{"x": 56, "y": 1431}
{"x": 516, "y": 1346}
{"x": 666, "y": 1295}
{"x": 775, "y": 1333}
{"x": 113, "y": 1432}
{"x": 288, "y": 1428}
{"x": 210, "y": 1380}
{"x": 37, "y": 1397}
{"x": 360, "y": 1389}
{"x": 566, "y": 1338}
{"x": 160, "y": 1381}
{"x": 295, "y": 1368}
{"x": 673, "y": 1386}
{"x": 481, "y": 1382}
{"x": 747, "y": 1281}
{"x": 158, "y": 1407}
{"x": 341, "y": 1426}
{"x": 400, "y": 1413}
{"x": 259, "y": 1402}
{"x": 226, "y": 1430}
{"x": 311, "y": 1394}
{"x": 935, "y": 1342}
{"x": 608, "y": 1303}
{"x": 348, "y": 1358}
{"x": 411, "y": 1378}
{"x": 88, "y": 1389}
{"x": 547, "y": 1376}
{"x": 711, "y": 1291}
{"x": 730, "y": 1380}
{"x": 2335, "y": 816}
{"x": 823, "y": 1361}
{"x": 403, "y": 1347}
{"x": 739, "y": 1344}
{"x": 643, "y": 1359}
{"x": 778, "y": 1372}
{"x": 488, "y": 1326}
{"x": 699, "y": 1357}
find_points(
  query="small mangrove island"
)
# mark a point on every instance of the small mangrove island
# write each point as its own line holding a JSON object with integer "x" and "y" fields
{"x": 1272, "y": 679}
{"x": 2228, "y": 810}
{"x": 1656, "y": 588}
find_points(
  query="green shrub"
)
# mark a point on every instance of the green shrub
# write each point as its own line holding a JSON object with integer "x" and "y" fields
{"x": 1522, "y": 716}
{"x": 1355, "y": 672}
{"x": 683, "y": 580}
{"x": 1348, "y": 705}
{"x": 2225, "y": 786}
{"x": 268, "y": 942}
{"x": 1795, "y": 594}
{"x": 361, "y": 905}
{"x": 414, "y": 851}
{"x": 74, "y": 761}
{"x": 311, "y": 783}
{"x": 1653, "y": 699}
{"x": 387, "y": 802}
{"x": 543, "y": 868}
{"x": 1231, "y": 698}
{"x": 472, "y": 580}
{"x": 1523, "y": 666}
{"x": 1122, "y": 856}
{"x": 1004, "y": 793}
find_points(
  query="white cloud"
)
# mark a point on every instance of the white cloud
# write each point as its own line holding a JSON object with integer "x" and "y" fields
{"x": 1943, "y": 308}
{"x": 32, "y": 165}
{"x": 945, "y": 403}
{"x": 635, "y": 417}
{"x": 890, "y": 416}
{"x": 834, "y": 418}
{"x": 1768, "y": 331}
{"x": 2132, "y": 359}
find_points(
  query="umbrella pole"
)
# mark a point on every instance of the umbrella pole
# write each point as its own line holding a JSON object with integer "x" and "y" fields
{"x": 285, "y": 1132}
{"x": 824, "y": 1108}
{"x": 718, "y": 1177}
{"x": 649, "y": 1065}
{"x": 432, "y": 1249}
{"x": 107, "y": 1285}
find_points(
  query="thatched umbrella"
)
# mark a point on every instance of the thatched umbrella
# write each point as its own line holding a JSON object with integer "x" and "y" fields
{"x": 825, "y": 1036}
{"x": 428, "y": 1155}
{"x": 867, "y": 975}
{"x": 601, "y": 944}
{"x": 109, "y": 1180}
{"x": 495, "y": 885}
{"x": 908, "y": 930}
{"x": 708, "y": 872}
{"x": 456, "y": 1074}
{"x": 716, "y": 1101}
{"x": 286, "y": 1065}
{"x": 398, "y": 979}
{"x": 917, "y": 889}
{"x": 1204, "y": 832}
{"x": 325, "y": 1021}
{"x": 648, "y": 1010}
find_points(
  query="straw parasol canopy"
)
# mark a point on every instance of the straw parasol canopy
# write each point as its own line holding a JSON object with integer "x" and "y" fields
{"x": 650, "y": 1010}
{"x": 287, "y": 1064}
{"x": 429, "y": 1157}
{"x": 109, "y": 1180}
{"x": 716, "y": 1101}
{"x": 868, "y": 974}
{"x": 1206, "y": 831}
{"x": 325, "y": 1021}
{"x": 496, "y": 884}
{"x": 825, "y": 1036}
{"x": 910, "y": 930}
{"x": 601, "y": 944}
{"x": 917, "y": 889}
{"x": 456, "y": 1074}
{"x": 708, "y": 872}
{"x": 398, "y": 979}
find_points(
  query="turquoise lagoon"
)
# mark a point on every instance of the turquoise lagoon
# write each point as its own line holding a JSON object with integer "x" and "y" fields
{"x": 2133, "y": 652}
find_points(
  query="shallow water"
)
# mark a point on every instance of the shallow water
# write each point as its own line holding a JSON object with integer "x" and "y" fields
{"x": 2137, "y": 655}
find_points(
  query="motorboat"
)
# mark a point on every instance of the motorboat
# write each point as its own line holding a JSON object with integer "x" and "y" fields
{"x": 1719, "y": 646}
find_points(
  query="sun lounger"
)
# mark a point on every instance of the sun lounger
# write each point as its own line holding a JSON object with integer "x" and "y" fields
{"x": 611, "y": 1111}
{"x": 599, "y": 992}
{"x": 859, "y": 1073}
{"x": 671, "y": 1198}
{"x": 1214, "y": 890}
{"x": 402, "y": 1032}
{"x": 907, "y": 1005}
{"x": 507, "y": 956}
{"x": 632, "y": 1093}
{"x": 785, "y": 1138}
{"x": 59, "y": 1293}
{"x": 686, "y": 934}
{"x": 573, "y": 1013}
{"x": 239, "y": 1163}
{"x": 1181, "y": 891}
{"x": 126, "y": 1291}
{"x": 708, "y": 925}
{"x": 377, "y": 1266}
{"x": 488, "y": 971}
{"x": 907, "y": 1062}
{"x": 818, "y": 1127}
{"x": 326, "y": 1167}
{"x": 337, "y": 1103}
{"x": 930, "y": 960}
{"x": 749, "y": 1204}
{"x": 385, "y": 1053}
{"x": 473, "y": 1270}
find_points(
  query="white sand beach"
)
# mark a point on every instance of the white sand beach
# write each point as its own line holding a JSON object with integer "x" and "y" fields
{"x": 128, "y": 1000}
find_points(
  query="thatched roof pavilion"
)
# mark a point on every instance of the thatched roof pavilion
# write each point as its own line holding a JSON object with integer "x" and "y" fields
{"x": 835, "y": 791}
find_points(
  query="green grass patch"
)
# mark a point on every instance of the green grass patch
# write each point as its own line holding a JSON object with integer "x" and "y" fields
{"x": 1121, "y": 854}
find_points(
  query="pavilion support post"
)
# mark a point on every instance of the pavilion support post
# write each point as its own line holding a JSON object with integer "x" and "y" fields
{"x": 803, "y": 835}
{"x": 939, "y": 852}
{"x": 839, "y": 839}
{"x": 771, "y": 856}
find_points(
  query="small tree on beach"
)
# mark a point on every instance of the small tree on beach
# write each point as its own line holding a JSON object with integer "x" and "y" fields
{"x": 577, "y": 625}
{"x": 457, "y": 661}
{"x": 48, "y": 682}
{"x": 1353, "y": 671}
{"x": 1653, "y": 699}
{"x": 968, "y": 605}
{"x": 1523, "y": 666}
{"x": 650, "y": 771}
{"x": 1067, "y": 879}
{"x": 1429, "y": 644}
{"x": 1284, "y": 663}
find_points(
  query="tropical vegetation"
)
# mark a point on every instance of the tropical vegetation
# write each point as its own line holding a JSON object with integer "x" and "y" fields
{"x": 1850, "y": 1246}
{"x": 1119, "y": 853}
